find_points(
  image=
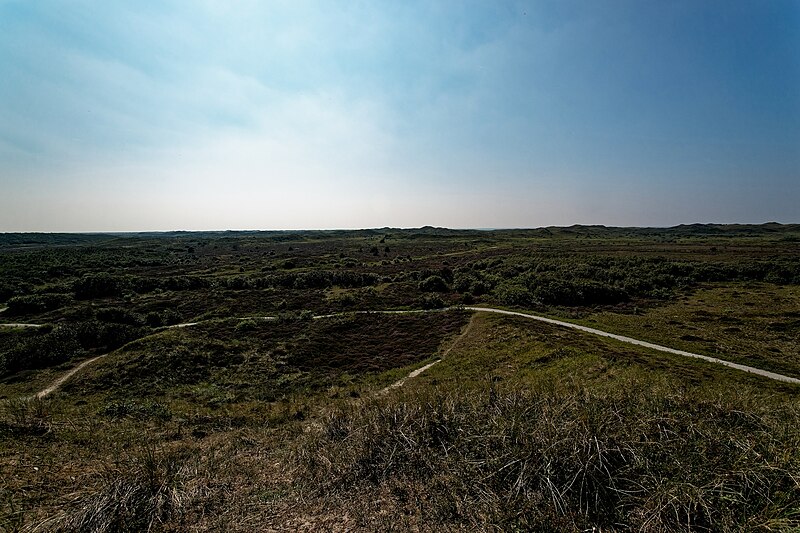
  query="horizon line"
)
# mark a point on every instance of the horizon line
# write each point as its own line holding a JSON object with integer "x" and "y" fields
{"x": 406, "y": 228}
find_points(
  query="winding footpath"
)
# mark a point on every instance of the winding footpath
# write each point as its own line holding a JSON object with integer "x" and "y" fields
{"x": 60, "y": 381}
{"x": 585, "y": 329}
{"x": 645, "y": 344}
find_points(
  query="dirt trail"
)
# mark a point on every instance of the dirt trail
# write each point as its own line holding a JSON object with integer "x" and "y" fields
{"x": 15, "y": 325}
{"x": 60, "y": 381}
{"x": 417, "y": 372}
{"x": 764, "y": 373}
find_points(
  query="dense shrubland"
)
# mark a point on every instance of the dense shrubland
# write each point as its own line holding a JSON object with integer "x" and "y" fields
{"x": 548, "y": 272}
{"x": 599, "y": 280}
{"x": 107, "y": 329}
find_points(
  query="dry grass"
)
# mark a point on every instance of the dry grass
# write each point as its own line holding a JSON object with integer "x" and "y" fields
{"x": 517, "y": 459}
{"x": 150, "y": 492}
{"x": 756, "y": 324}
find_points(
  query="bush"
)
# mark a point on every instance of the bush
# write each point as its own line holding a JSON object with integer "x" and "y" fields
{"x": 432, "y": 302}
{"x": 463, "y": 283}
{"x": 514, "y": 293}
{"x": 93, "y": 286}
{"x": 168, "y": 317}
{"x": 118, "y": 315}
{"x": 112, "y": 336}
{"x": 13, "y": 287}
{"x": 153, "y": 319}
{"x": 554, "y": 291}
{"x": 94, "y": 334}
{"x": 433, "y": 284}
{"x": 36, "y": 303}
{"x": 52, "y": 348}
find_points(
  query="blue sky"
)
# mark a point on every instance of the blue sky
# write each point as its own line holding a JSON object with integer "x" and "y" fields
{"x": 120, "y": 116}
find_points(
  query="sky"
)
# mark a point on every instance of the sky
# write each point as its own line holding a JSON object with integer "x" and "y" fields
{"x": 211, "y": 114}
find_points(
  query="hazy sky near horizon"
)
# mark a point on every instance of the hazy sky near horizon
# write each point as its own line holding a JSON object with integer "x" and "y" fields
{"x": 208, "y": 114}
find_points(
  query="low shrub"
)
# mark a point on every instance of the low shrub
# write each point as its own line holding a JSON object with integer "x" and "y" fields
{"x": 433, "y": 284}
{"x": 36, "y": 303}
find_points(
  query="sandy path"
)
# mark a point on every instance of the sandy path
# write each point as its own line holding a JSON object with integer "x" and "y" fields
{"x": 60, "y": 381}
{"x": 630, "y": 340}
{"x": 764, "y": 373}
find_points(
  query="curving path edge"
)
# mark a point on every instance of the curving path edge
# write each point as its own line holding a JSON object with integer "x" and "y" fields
{"x": 71, "y": 372}
{"x": 621, "y": 338}
{"x": 631, "y": 340}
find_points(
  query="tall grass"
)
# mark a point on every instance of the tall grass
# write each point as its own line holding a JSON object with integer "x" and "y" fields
{"x": 25, "y": 416}
{"x": 564, "y": 460}
{"x": 151, "y": 490}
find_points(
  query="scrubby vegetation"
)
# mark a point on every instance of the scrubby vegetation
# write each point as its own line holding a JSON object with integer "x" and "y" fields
{"x": 240, "y": 422}
{"x": 230, "y": 361}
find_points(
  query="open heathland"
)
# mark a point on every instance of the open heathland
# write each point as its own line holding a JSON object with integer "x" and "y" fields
{"x": 238, "y": 383}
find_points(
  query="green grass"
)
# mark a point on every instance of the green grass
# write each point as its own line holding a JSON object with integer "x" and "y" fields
{"x": 753, "y": 324}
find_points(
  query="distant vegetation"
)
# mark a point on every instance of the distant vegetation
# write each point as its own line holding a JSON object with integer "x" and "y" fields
{"x": 162, "y": 279}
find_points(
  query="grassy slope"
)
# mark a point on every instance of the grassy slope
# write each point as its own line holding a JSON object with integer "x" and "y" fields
{"x": 756, "y": 324}
{"x": 183, "y": 394}
{"x": 525, "y": 427}
{"x": 695, "y": 440}
{"x": 266, "y": 360}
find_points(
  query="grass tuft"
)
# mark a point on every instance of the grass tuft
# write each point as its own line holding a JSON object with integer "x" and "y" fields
{"x": 151, "y": 491}
{"x": 26, "y": 416}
